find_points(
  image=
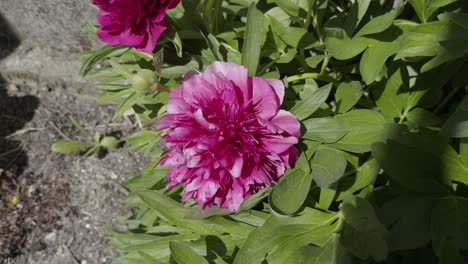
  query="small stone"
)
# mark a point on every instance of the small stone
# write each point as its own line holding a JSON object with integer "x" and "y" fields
{"x": 50, "y": 237}
{"x": 84, "y": 262}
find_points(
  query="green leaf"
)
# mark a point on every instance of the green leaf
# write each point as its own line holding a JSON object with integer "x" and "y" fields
{"x": 326, "y": 130}
{"x": 99, "y": 55}
{"x": 326, "y": 198}
{"x": 409, "y": 217}
{"x": 450, "y": 254}
{"x": 381, "y": 47}
{"x": 411, "y": 167}
{"x": 255, "y": 199}
{"x": 365, "y": 176}
{"x": 367, "y": 127}
{"x": 363, "y": 234}
{"x": 449, "y": 220}
{"x": 253, "y": 39}
{"x": 289, "y": 195}
{"x": 290, "y": 35}
{"x": 212, "y": 15}
{"x": 352, "y": 46}
{"x": 327, "y": 167}
{"x": 425, "y": 8}
{"x": 173, "y": 211}
{"x": 292, "y": 7}
{"x": 347, "y": 95}
{"x": 131, "y": 100}
{"x": 393, "y": 96}
{"x": 120, "y": 69}
{"x": 377, "y": 24}
{"x": 183, "y": 254}
{"x": 311, "y": 226}
{"x": 70, "y": 147}
{"x": 109, "y": 142}
{"x": 457, "y": 125}
{"x": 310, "y": 103}
{"x": 422, "y": 117}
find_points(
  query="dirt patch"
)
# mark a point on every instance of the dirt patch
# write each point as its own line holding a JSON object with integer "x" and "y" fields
{"x": 55, "y": 208}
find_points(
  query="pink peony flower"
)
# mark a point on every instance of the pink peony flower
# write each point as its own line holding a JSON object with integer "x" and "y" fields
{"x": 136, "y": 23}
{"x": 227, "y": 137}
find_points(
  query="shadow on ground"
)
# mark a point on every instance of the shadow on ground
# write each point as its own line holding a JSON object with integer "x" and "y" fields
{"x": 15, "y": 112}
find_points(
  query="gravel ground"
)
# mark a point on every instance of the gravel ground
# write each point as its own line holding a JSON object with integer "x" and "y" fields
{"x": 55, "y": 208}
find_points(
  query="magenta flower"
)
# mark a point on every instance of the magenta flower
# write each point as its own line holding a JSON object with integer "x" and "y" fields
{"x": 136, "y": 23}
{"x": 227, "y": 137}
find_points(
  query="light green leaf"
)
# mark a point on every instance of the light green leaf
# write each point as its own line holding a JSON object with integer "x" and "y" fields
{"x": 121, "y": 69}
{"x": 345, "y": 48}
{"x": 326, "y": 130}
{"x": 326, "y": 198}
{"x": 70, "y": 147}
{"x": 377, "y": 24}
{"x": 311, "y": 226}
{"x": 457, "y": 125}
{"x": 310, "y": 103}
{"x": 183, "y": 254}
{"x": 253, "y": 39}
{"x": 365, "y": 176}
{"x": 423, "y": 117}
{"x": 290, "y": 193}
{"x": 347, "y": 95}
{"x": 367, "y": 127}
{"x": 255, "y": 199}
{"x": 327, "y": 167}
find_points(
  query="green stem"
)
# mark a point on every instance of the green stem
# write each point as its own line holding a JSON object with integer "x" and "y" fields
{"x": 325, "y": 64}
{"x": 271, "y": 63}
{"x": 302, "y": 60}
{"x": 403, "y": 116}
{"x": 452, "y": 93}
{"x": 313, "y": 75}
{"x": 309, "y": 15}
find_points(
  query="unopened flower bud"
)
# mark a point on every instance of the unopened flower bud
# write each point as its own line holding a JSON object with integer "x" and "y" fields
{"x": 143, "y": 80}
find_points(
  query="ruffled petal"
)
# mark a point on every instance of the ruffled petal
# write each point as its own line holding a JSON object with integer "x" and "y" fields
{"x": 264, "y": 98}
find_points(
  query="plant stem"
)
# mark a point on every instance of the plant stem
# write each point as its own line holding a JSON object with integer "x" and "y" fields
{"x": 452, "y": 93}
{"x": 313, "y": 75}
{"x": 403, "y": 116}
{"x": 325, "y": 64}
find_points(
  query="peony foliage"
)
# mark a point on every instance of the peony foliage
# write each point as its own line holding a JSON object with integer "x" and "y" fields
{"x": 291, "y": 131}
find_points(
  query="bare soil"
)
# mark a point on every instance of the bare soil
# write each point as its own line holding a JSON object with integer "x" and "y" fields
{"x": 54, "y": 208}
